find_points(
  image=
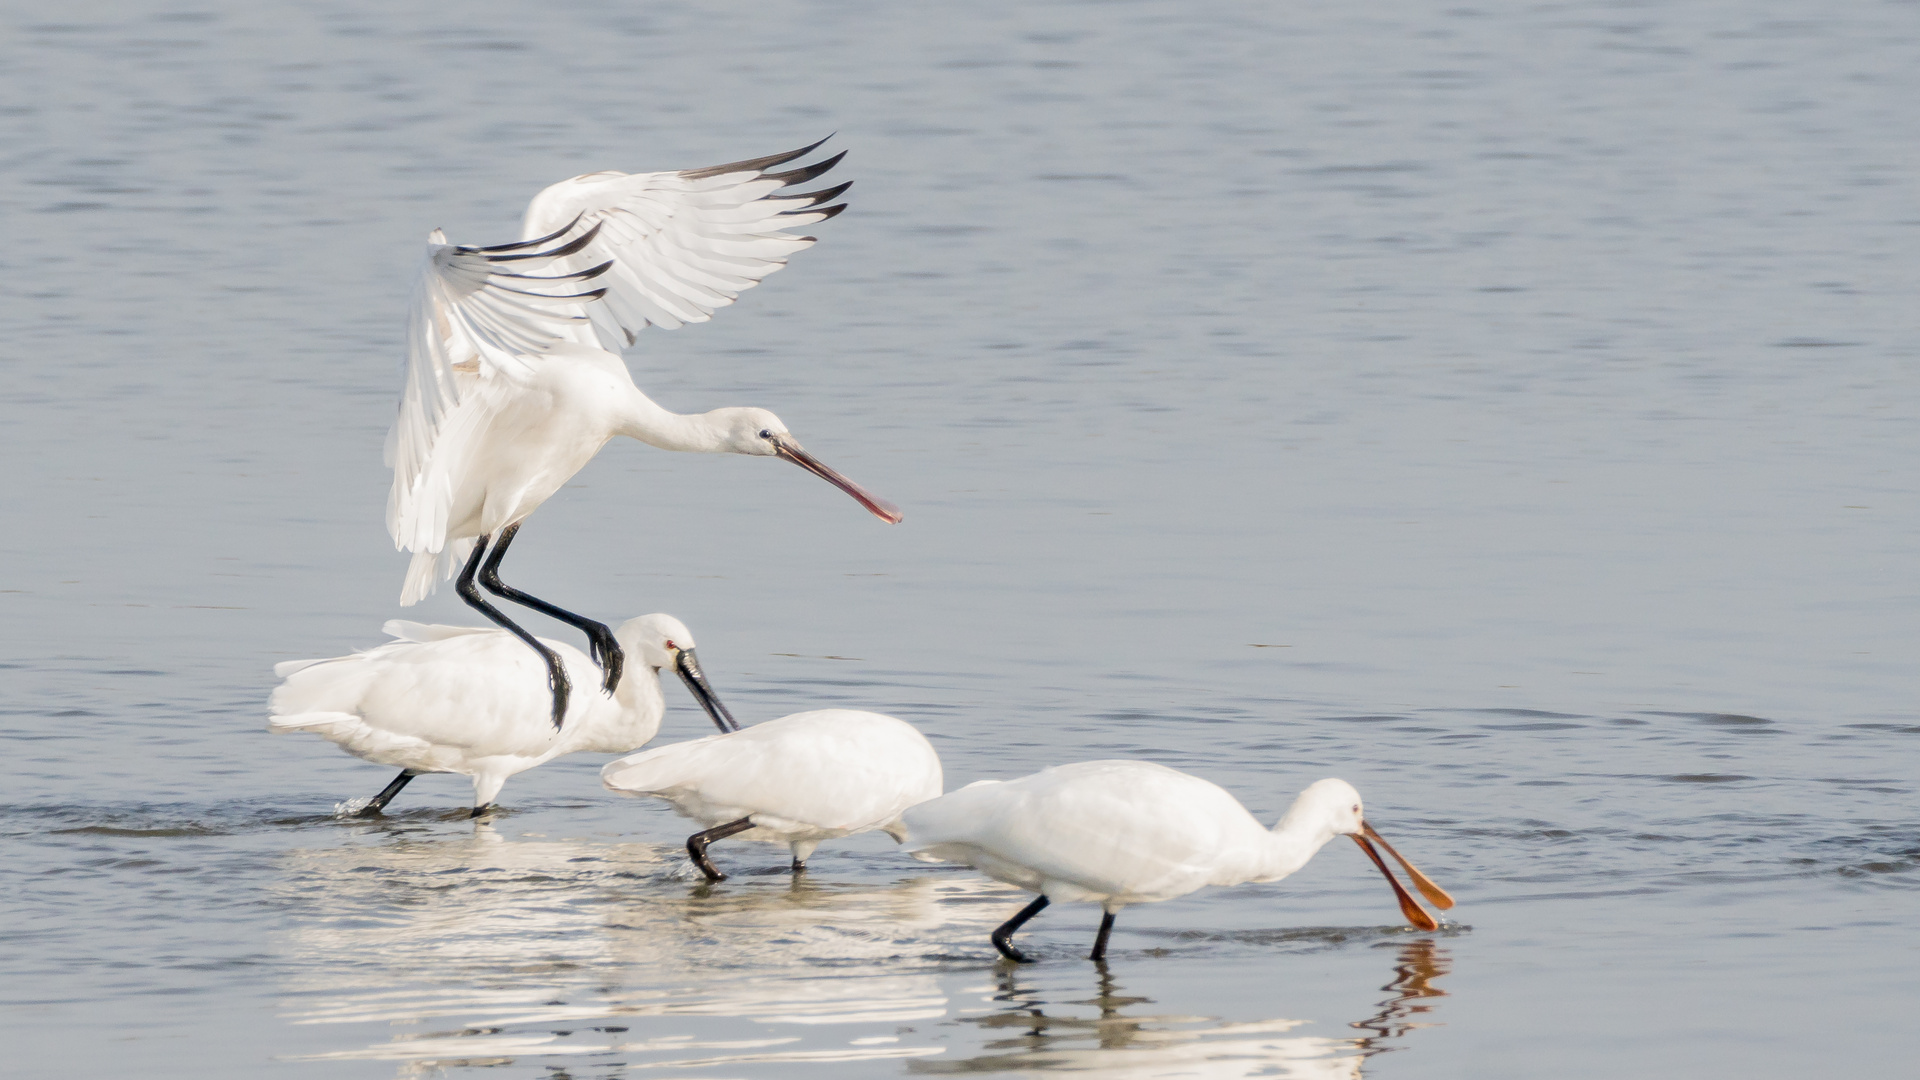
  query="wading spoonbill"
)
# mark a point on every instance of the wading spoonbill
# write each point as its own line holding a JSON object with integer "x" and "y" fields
{"x": 797, "y": 780}
{"x": 464, "y": 699}
{"x": 1131, "y": 832}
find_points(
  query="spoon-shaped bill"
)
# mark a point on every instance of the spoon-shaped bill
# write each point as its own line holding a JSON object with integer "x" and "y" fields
{"x": 875, "y": 505}
{"x": 689, "y": 669}
{"x": 1409, "y": 907}
{"x": 1435, "y": 895}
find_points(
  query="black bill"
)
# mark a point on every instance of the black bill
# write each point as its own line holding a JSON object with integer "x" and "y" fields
{"x": 689, "y": 669}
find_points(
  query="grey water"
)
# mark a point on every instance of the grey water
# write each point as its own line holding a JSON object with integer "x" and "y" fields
{"x": 1509, "y": 408}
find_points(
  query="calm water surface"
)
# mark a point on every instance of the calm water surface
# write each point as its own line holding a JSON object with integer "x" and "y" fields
{"x": 1510, "y": 409}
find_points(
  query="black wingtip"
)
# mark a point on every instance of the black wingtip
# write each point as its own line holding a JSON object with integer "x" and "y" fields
{"x": 555, "y": 235}
{"x": 812, "y": 198}
{"x": 802, "y": 175}
{"x": 828, "y": 213}
{"x": 568, "y": 248}
{"x": 582, "y": 275}
{"x": 753, "y": 164}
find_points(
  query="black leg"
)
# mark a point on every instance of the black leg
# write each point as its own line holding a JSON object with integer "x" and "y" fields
{"x": 1003, "y": 937}
{"x": 387, "y": 793}
{"x": 479, "y": 810}
{"x": 799, "y": 866}
{"x": 557, "y": 679}
{"x": 697, "y": 845}
{"x": 1100, "y": 941}
{"x": 606, "y": 651}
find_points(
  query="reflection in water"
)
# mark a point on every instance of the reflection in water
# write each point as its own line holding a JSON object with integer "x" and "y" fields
{"x": 556, "y": 947}
{"x": 477, "y": 950}
{"x": 1421, "y": 962}
{"x": 1115, "y": 1043}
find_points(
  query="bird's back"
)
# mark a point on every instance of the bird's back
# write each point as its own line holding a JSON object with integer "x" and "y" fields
{"x": 460, "y": 694}
{"x": 837, "y": 769}
{"x": 1129, "y": 831}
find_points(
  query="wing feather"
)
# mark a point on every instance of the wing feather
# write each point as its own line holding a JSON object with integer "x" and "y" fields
{"x": 683, "y": 244}
{"x": 659, "y": 249}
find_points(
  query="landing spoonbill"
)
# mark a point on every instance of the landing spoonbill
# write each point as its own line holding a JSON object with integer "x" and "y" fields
{"x": 514, "y": 379}
{"x": 797, "y": 780}
{"x": 1131, "y": 832}
{"x": 465, "y": 699}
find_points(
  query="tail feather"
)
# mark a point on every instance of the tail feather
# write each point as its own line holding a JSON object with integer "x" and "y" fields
{"x": 325, "y": 723}
{"x": 428, "y": 568}
{"x": 420, "y": 632}
{"x": 361, "y": 739}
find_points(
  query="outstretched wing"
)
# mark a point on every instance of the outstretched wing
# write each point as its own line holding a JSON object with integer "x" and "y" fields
{"x": 481, "y": 319}
{"x": 680, "y": 244}
{"x": 604, "y": 255}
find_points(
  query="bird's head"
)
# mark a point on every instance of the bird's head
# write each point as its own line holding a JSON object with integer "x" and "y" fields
{"x": 752, "y": 431}
{"x": 1335, "y": 806}
{"x": 662, "y": 641}
{"x": 761, "y": 434}
{"x": 1330, "y": 807}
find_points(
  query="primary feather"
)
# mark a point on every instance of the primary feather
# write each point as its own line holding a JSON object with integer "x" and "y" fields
{"x": 603, "y": 256}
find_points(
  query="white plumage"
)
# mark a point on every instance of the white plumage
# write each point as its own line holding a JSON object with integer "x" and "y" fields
{"x": 1130, "y": 832}
{"x": 514, "y": 378}
{"x": 797, "y": 780}
{"x": 473, "y": 701}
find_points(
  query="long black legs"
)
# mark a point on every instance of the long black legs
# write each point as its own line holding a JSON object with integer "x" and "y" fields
{"x": 697, "y": 845}
{"x": 387, "y": 793}
{"x": 556, "y": 675}
{"x": 1003, "y": 937}
{"x": 606, "y": 651}
{"x": 1100, "y": 941}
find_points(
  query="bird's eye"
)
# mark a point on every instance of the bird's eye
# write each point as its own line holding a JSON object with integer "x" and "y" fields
{"x": 766, "y": 433}
{"x": 671, "y": 645}
{"x": 1356, "y": 808}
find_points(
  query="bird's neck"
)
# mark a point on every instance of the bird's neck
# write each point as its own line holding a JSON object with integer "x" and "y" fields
{"x": 1294, "y": 840}
{"x": 635, "y": 720}
{"x": 643, "y": 418}
{"x": 640, "y": 689}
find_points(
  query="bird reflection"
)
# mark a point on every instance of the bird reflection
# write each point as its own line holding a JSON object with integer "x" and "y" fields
{"x": 1421, "y": 962}
{"x": 492, "y": 934}
{"x": 481, "y": 949}
{"x": 1123, "y": 1041}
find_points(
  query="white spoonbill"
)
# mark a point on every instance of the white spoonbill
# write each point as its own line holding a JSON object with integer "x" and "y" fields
{"x": 464, "y": 699}
{"x": 1131, "y": 832}
{"x": 514, "y": 380}
{"x": 797, "y": 780}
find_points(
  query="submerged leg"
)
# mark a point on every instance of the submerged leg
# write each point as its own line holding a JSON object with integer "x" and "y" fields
{"x": 801, "y": 849}
{"x": 606, "y": 651}
{"x": 1100, "y": 940}
{"x": 556, "y": 675}
{"x": 1003, "y": 937}
{"x": 387, "y": 793}
{"x": 486, "y": 787}
{"x": 697, "y": 845}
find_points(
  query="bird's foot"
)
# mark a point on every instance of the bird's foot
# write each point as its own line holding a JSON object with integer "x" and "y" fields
{"x": 1007, "y": 950}
{"x": 483, "y": 810}
{"x": 612, "y": 660}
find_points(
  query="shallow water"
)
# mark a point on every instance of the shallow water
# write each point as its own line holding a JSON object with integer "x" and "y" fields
{"x": 1508, "y": 409}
